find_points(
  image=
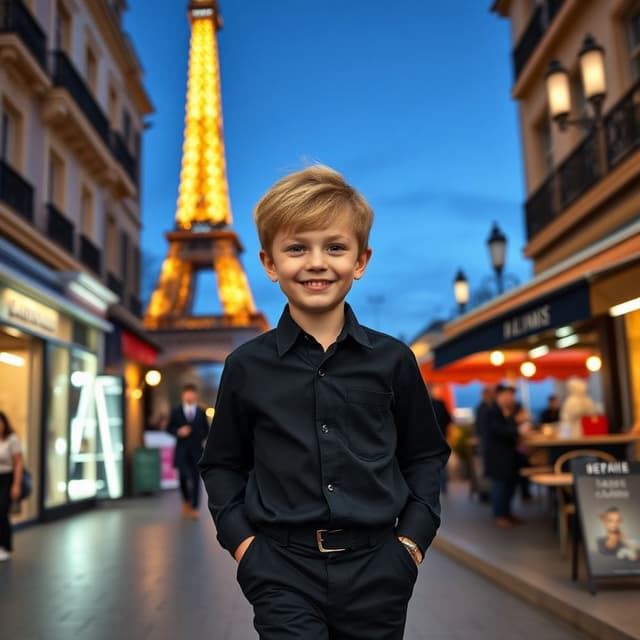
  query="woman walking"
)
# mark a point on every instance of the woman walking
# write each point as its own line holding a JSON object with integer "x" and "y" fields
{"x": 11, "y": 467}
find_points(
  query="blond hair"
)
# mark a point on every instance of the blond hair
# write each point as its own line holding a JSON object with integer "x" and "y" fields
{"x": 311, "y": 199}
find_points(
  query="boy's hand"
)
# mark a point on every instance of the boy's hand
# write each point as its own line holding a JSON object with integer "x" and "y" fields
{"x": 412, "y": 549}
{"x": 242, "y": 548}
{"x": 184, "y": 431}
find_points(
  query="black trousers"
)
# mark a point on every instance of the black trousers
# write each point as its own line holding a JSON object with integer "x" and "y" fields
{"x": 298, "y": 593}
{"x": 189, "y": 483}
{"x": 6, "y": 480}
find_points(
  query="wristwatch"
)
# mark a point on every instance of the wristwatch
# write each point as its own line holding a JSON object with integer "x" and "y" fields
{"x": 413, "y": 549}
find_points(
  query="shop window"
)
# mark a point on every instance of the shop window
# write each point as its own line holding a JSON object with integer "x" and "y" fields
{"x": 57, "y": 425}
{"x": 83, "y": 426}
{"x": 56, "y": 180}
{"x": 63, "y": 28}
{"x": 633, "y": 31}
{"x": 11, "y": 132}
{"x": 91, "y": 66}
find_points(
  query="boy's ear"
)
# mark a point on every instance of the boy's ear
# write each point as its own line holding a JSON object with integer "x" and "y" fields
{"x": 361, "y": 263}
{"x": 269, "y": 265}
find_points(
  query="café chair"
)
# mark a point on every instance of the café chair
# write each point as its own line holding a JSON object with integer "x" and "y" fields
{"x": 566, "y": 500}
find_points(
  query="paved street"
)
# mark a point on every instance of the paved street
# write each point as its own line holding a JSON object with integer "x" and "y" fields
{"x": 136, "y": 570}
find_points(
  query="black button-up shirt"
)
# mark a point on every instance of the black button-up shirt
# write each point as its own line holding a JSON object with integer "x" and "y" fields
{"x": 332, "y": 439}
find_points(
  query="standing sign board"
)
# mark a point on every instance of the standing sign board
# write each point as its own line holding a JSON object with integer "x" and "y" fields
{"x": 608, "y": 503}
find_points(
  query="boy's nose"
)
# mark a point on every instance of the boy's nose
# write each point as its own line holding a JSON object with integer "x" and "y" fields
{"x": 316, "y": 260}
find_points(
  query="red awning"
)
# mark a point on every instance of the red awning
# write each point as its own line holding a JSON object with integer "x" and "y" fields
{"x": 138, "y": 350}
{"x": 560, "y": 364}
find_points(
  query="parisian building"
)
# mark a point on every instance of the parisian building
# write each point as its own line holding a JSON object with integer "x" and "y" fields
{"x": 73, "y": 352}
{"x": 576, "y": 80}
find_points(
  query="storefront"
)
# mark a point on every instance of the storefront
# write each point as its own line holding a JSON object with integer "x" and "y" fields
{"x": 68, "y": 416}
{"x": 587, "y": 306}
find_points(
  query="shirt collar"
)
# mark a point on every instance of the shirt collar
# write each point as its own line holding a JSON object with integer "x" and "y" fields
{"x": 288, "y": 331}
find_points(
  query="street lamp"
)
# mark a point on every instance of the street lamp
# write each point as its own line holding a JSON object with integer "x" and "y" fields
{"x": 591, "y": 59}
{"x": 497, "y": 249}
{"x": 461, "y": 290}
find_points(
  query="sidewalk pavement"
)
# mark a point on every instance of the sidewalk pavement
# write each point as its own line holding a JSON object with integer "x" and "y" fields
{"x": 135, "y": 570}
{"x": 526, "y": 561}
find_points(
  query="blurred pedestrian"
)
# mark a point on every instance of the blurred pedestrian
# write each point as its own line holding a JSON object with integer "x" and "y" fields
{"x": 551, "y": 413}
{"x": 501, "y": 455}
{"x": 189, "y": 424}
{"x": 444, "y": 420}
{"x": 11, "y": 468}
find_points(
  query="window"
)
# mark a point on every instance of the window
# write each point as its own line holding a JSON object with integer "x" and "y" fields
{"x": 56, "y": 180}
{"x": 86, "y": 212}
{"x": 11, "y": 132}
{"x": 112, "y": 245}
{"x": 113, "y": 106}
{"x": 633, "y": 30}
{"x": 545, "y": 144}
{"x": 63, "y": 29}
{"x": 135, "y": 271}
{"x": 126, "y": 126}
{"x": 91, "y": 63}
{"x": 124, "y": 255}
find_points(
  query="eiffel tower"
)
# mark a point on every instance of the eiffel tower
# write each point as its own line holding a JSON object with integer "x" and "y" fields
{"x": 203, "y": 238}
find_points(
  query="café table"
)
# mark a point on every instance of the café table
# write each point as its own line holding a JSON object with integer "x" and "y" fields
{"x": 613, "y": 443}
{"x": 552, "y": 479}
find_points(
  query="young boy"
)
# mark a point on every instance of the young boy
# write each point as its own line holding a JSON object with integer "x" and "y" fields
{"x": 323, "y": 463}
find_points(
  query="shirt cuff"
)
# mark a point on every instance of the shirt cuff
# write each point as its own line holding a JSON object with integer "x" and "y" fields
{"x": 418, "y": 523}
{"x": 235, "y": 529}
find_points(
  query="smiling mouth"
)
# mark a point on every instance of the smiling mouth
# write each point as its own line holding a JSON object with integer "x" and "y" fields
{"x": 316, "y": 285}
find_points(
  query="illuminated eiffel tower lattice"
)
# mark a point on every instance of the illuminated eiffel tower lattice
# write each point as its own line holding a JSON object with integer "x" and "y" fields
{"x": 203, "y": 238}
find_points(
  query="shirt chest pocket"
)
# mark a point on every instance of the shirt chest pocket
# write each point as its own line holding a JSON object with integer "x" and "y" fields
{"x": 369, "y": 425}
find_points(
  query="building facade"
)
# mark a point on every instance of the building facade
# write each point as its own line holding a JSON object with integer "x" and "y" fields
{"x": 72, "y": 104}
{"x": 582, "y": 202}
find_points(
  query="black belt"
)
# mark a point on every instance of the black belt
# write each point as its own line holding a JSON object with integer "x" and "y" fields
{"x": 326, "y": 540}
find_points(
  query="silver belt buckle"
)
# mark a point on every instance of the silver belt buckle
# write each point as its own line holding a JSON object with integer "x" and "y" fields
{"x": 320, "y": 541}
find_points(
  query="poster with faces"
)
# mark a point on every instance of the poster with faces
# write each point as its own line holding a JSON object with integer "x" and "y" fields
{"x": 608, "y": 501}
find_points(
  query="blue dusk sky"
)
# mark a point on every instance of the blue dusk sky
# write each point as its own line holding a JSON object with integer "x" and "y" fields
{"x": 410, "y": 100}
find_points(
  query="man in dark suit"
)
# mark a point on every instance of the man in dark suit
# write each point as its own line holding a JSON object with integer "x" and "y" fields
{"x": 189, "y": 424}
{"x": 500, "y": 440}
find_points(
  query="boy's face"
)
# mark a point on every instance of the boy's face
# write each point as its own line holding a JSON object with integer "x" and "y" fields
{"x": 316, "y": 269}
{"x": 612, "y": 522}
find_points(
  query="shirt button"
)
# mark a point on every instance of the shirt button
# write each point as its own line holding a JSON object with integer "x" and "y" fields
{"x": 324, "y": 428}
{"x": 330, "y": 487}
{"x": 322, "y": 373}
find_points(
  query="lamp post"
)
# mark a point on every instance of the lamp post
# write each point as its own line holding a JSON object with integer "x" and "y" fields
{"x": 594, "y": 85}
{"x": 497, "y": 243}
{"x": 461, "y": 290}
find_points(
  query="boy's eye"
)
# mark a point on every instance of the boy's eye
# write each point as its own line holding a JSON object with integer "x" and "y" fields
{"x": 337, "y": 248}
{"x": 295, "y": 248}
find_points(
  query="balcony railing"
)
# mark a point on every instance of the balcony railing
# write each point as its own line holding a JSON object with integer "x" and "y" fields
{"x": 583, "y": 168}
{"x": 124, "y": 156}
{"x": 59, "y": 228}
{"x": 622, "y": 127}
{"x": 90, "y": 255}
{"x": 16, "y": 18}
{"x": 115, "y": 284}
{"x": 579, "y": 171}
{"x": 65, "y": 75}
{"x": 16, "y": 192}
{"x": 540, "y": 20}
